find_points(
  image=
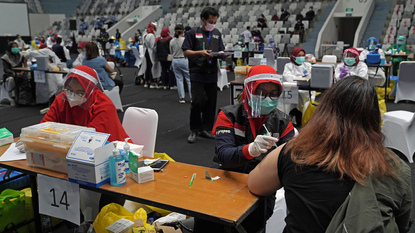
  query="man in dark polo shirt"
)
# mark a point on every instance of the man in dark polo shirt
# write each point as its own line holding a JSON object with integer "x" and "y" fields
{"x": 203, "y": 67}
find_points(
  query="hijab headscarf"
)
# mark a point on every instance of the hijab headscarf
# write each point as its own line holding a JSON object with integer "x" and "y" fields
{"x": 271, "y": 43}
{"x": 100, "y": 113}
{"x": 295, "y": 53}
{"x": 165, "y": 34}
{"x": 355, "y": 55}
{"x": 12, "y": 58}
{"x": 257, "y": 75}
{"x": 151, "y": 28}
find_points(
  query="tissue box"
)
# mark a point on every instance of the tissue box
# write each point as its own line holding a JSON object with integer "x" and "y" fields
{"x": 141, "y": 174}
{"x": 121, "y": 226}
{"x": 6, "y": 137}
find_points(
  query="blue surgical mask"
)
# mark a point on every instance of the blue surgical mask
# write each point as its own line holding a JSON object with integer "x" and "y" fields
{"x": 83, "y": 54}
{"x": 299, "y": 60}
{"x": 262, "y": 106}
{"x": 372, "y": 47}
{"x": 400, "y": 42}
{"x": 349, "y": 61}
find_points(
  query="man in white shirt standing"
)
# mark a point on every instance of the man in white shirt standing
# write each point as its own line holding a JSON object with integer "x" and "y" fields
{"x": 247, "y": 36}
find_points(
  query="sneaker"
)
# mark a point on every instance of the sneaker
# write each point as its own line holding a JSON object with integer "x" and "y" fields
{"x": 146, "y": 85}
{"x": 173, "y": 88}
{"x": 153, "y": 86}
{"x": 12, "y": 102}
{"x": 206, "y": 134}
{"x": 182, "y": 101}
{"x": 166, "y": 87}
{"x": 192, "y": 137}
{"x": 159, "y": 86}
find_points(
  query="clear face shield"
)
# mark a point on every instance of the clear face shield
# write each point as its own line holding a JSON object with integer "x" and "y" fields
{"x": 78, "y": 88}
{"x": 263, "y": 98}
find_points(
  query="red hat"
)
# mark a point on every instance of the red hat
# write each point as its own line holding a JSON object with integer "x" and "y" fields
{"x": 82, "y": 45}
{"x": 257, "y": 75}
{"x": 51, "y": 32}
{"x": 42, "y": 45}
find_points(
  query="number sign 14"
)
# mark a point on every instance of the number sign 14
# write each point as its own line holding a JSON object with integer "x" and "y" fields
{"x": 59, "y": 198}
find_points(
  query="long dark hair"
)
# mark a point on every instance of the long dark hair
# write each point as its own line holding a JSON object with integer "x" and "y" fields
{"x": 91, "y": 50}
{"x": 344, "y": 134}
{"x": 178, "y": 30}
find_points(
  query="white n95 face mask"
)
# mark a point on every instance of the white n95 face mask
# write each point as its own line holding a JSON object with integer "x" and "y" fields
{"x": 74, "y": 99}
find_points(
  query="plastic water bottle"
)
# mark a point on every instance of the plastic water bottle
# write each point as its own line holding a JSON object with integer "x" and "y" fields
{"x": 46, "y": 224}
{"x": 126, "y": 155}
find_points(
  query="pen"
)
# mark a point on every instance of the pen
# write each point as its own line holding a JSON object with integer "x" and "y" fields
{"x": 269, "y": 134}
{"x": 191, "y": 181}
{"x": 203, "y": 45}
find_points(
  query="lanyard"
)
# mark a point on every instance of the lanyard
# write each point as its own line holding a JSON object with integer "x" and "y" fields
{"x": 210, "y": 33}
{"x": 399, "y": 48}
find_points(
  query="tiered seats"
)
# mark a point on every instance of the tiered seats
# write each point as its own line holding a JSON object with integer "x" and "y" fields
{"x": 235, "y": 16}
{"x": 402, "y": 23}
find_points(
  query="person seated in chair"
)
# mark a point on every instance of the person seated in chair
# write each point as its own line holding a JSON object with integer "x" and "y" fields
{"x": 82, "y": 103}
{"x": 245, "y": 133}
{"x": 399, "y": 47}
{"x": 351, "y": 65}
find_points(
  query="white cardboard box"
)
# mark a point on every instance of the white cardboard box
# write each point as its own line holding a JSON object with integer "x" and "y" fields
{"x": 89, "y": 165}
{"x": 144, "y": 174}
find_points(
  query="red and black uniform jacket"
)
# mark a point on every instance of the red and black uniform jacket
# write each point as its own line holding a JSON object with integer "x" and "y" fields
{"x": 233, "y": 135}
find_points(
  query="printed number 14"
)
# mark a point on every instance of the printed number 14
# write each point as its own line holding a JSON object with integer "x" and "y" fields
{"x": 64, "y": 195}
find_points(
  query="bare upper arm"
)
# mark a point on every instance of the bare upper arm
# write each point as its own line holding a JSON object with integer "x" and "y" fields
{"x": 264, "y": 180}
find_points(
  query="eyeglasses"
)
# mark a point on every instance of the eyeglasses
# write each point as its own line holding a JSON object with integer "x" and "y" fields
{"x": 80, "y": 94}
{"x": 273, "y": 95}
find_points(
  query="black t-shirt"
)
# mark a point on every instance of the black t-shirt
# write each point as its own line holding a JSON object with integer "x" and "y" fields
{"x": 312, "y": 195}
{"x": 284, "y": 15}
{"x": 299, "y": 26}
{"x": 58, "y": 49}
{"x": 188, "y": 44}
{"x": 309, "y": 15}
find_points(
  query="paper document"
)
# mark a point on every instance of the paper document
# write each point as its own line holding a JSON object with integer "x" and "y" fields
{"x": 12, "y": 154}
{"x": 306, "y": 78}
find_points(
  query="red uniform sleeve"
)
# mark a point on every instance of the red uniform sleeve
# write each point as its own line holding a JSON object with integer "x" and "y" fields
{"x": 222, "y": 121}
{"x": 53, "y": 114}
{"x": 106, "y": 120}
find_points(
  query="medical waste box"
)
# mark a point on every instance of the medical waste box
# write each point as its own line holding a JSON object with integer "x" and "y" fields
{"x": 42, "y": 62}
{"x": 321, "y": 76}
{"x": 48, "y": 143}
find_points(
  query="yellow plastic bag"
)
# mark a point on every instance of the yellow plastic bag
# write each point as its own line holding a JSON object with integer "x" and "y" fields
{"x": 311, "y": 108}
{"x": 382, "y": 109}
{"x": 381, "y": 92}
{"x": 114, "y": 212}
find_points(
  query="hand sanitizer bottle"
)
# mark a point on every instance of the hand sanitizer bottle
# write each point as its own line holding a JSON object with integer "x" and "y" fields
{"x": 117, "y": 169}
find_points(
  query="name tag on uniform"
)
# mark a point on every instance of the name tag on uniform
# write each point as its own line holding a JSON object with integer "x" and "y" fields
{"x": 199, "y": 35}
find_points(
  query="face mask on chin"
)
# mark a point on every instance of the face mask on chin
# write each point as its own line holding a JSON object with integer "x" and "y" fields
{"x": 74, "y": 99}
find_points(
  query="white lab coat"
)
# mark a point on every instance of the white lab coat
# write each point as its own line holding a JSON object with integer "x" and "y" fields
{"x": 78, "y": 61}
{"x": 150, "y": 45}
{"x": 375, "y": 78}
{"x": 53, "y": 81}
{"x": 360, "y": 70}
{"x": 292, "y": 71}
{"x": 50, "y": 44}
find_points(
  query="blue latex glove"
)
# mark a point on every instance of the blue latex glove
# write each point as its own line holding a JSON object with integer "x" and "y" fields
{"x": 343, "y": 72}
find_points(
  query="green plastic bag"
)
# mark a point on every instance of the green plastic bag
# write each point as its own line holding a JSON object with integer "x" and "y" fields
{"x": 12, "y": 210}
